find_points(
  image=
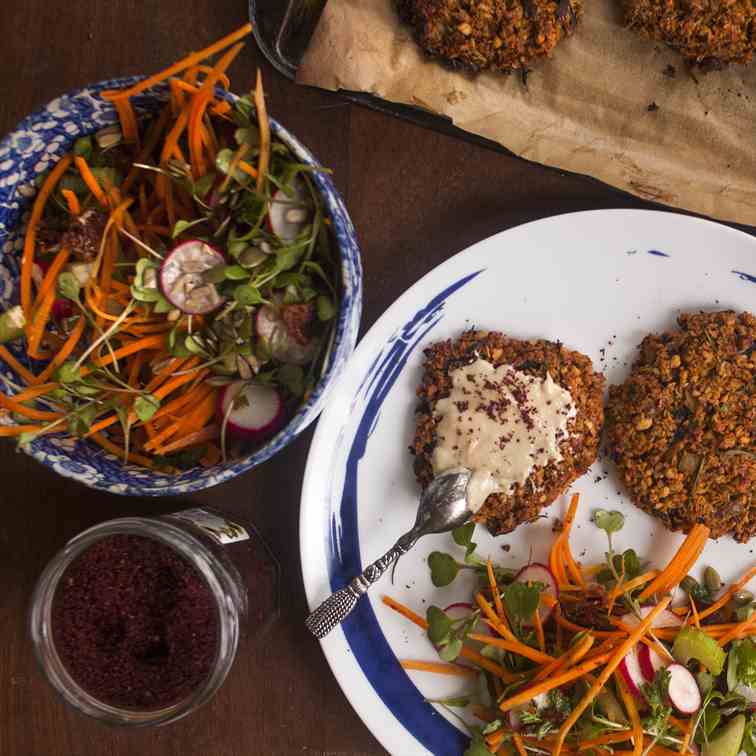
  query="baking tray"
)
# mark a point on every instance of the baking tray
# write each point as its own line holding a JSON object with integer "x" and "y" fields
{"x": 283, "y": 28}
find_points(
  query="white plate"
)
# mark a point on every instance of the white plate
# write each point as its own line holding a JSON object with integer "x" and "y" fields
{"x": 597, "y": 281}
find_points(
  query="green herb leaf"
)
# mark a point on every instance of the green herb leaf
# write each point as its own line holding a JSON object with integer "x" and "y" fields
{"x": 748, "y": 743}
{"x": 325, "y": 308}
{"x": 24, "y": 439}
{"x": 492, "y": 726}
{"x": 68, "y": 372}
{"x": 611, "y": 522}
{"x": 291, "y": 377}
{"x": 477, "y": 747}
{"x": 250, "y": 136}
{"x": 439, "y": 625}
{"x": 463, "y": 535}
{"x": 236, "y": 273}
{"x": 247, "y": 295}
{"x": 162, "y": 305}
{"x": 631, "y": 563}
{"x": 458, "y": 701}
{"x": 216, "y": 274}
{"x": 183, "y": 225}
{"x": 288, "y": 257}
{"x": 451, "y": 650}
{"x": 203, "y": 184}
{"x": 522, "y": 600}
{"x": 443, "y": 567}
{"x": 68, "y": 286}
{"x": 745, "y": 662}
{"x": 80, "y": 421}
{"x": 83, "y": 147}
{"x": 146, "y": 406}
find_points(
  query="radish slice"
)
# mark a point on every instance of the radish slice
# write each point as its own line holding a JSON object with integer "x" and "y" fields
{"x": 272, "y": 329}
{"x": 663, "y": 619}
{"x": 288, "y": 216}
{"x": 630, "y": 670}
{"x": 259, "y": 417}
{"x": 458, "y": 610}
{"x": 683, "y": 689}
{"x": 62, "y": 309}
{"x": 540, "y": 573}
{"x": 650, "y": 662}
{"x": 182, "y": 279}
{"x": 514, "y": 717}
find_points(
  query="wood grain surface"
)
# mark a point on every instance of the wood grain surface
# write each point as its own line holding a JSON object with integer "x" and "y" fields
{"x": 416, "y": 197}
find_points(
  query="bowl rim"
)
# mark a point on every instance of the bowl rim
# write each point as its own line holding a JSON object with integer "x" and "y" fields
{"x": 347, "y": 323}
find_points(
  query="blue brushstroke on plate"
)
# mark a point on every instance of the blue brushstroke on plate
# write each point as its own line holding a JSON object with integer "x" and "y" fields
{"x": 657, "y": 253}
{"x": 361, "y": 629}
{"x": 745, "y": 276}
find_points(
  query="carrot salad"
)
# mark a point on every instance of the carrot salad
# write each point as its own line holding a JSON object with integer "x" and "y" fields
{"x": 563, "y": 658}
{"x": 178, "y": 285}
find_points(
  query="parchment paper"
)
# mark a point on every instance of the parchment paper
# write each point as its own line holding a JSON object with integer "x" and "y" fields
{"x": 585, "y": 109}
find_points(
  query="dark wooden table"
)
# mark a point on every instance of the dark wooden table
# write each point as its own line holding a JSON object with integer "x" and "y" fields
{"x": 416, "y": 197}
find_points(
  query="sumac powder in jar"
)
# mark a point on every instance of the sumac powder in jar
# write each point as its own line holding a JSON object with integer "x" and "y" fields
{"x": 137, "y": 621}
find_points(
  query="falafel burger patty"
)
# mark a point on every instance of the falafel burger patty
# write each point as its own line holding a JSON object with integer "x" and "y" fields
{"x": 708, "y": 33}
{"x": 537, "y": 365}
{"x": 502, "y": 35}
{"x": 682, "y": 427}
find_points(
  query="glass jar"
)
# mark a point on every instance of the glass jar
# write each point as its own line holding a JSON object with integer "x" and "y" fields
{"x": 233, "y": 561}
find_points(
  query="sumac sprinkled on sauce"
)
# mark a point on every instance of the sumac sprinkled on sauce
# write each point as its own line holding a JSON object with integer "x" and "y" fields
{"x": 135, "y": 625}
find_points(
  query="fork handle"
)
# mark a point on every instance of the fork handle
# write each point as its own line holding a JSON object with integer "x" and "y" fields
{"x": 337, "y": 607}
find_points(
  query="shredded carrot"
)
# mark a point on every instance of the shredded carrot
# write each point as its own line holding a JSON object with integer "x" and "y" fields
{"x": 247, "y": 168}
{"x": 575, "y": 673}
{"x": 466, "y": 652}
{"x": 105, "y": 443}
{"x": 572, "y": 567}
{"x": 264, "y": 126}
{"x": 630, "y": 585}
{"x": 35, "y": 391}
{"x": 17, "y": 430}
{"x": 127, "y": 118}
{"x": 689, "y": 551}
{"x": 74, "y": 207}
{"x": 500, "y": 626}
{"x": 613, "y": 662}
{"x": 517, "y": 647}
{"x": 63, "y": 353}
{"x": 27, "y": 261}
{"x": 454, "y": 670}
{"x": 21, "y": 409}
{"x": 51, "y": 277}
{"x": 632, "y": 713}
{"x": 150, "y": 142}
{"x": 210, "y": 433}
{"x": 495, "y": 590}
{"x": 182, "y": 65}
{"x": 199, "y": 103}
{"x": 611, "y": 737}
{"x": 568, "y": 625}
{"x": 148, "y": 342}
{"x": 567, "y": 659}
{"x": 233, "y": 165}
{"x": 518, "y": 744}
{"x": 221, "y": 108}
{"x": 90, "y": 180}
{"x": 539, "y": 630}
{"x": 192, "y": 74}
{"x": 738, "y": 630}
{"x": 39, "y": 323}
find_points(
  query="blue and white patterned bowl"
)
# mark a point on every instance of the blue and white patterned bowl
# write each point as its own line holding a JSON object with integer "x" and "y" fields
{"x": 32, "y": 149}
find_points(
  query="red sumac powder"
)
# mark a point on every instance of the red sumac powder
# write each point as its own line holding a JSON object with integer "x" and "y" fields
{"x": 134, "y": 623}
